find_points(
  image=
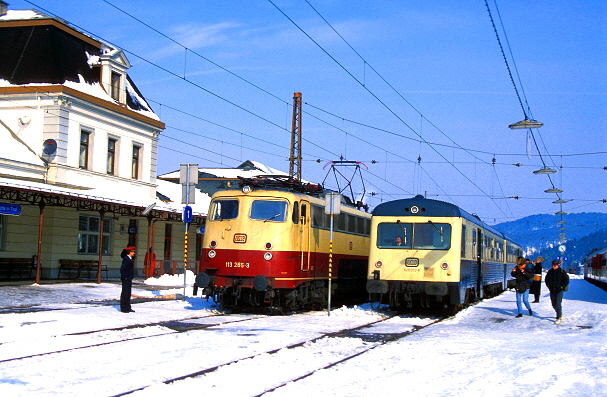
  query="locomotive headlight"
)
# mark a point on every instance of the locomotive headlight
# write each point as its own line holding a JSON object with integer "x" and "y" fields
{"x": 267, "y": 256}
{"x": 213, "y": 244}
{"x": 212, "y": 254}
{"x": 378, "y": 264}
{"x": 246, "y": 189}
{"x": 268, "y": 246}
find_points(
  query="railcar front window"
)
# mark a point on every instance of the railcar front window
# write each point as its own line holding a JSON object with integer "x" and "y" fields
{"x": 224, "y": 209}
{"x": 394, "y": 235}
{"x": 427, "y": 236}
{"x": 432, "y": 236}
{"x": 269, "y": 211}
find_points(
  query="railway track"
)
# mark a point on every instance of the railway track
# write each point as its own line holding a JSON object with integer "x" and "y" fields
{"x": 370, "y": 340}
{"x": 156, "y": 329}
{"x": 168, "y": 352}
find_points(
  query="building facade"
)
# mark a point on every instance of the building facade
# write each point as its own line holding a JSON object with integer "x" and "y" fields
{"x": 79, "y": 154}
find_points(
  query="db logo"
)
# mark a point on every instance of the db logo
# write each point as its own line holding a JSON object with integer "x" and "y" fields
{"x": 240, "y": 238}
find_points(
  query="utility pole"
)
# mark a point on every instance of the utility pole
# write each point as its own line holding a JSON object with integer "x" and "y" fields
{"x": 295, "y": 156}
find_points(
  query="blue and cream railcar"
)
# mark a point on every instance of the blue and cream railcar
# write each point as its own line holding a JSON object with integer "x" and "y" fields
{"x": 595, "y": 267}
{"x": 431, "y": 253}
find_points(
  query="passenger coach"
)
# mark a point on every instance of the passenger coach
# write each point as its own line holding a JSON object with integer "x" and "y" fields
{"x": 431, "y": 253}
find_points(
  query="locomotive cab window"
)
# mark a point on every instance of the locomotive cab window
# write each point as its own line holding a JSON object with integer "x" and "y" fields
{"x": 224, "y": 209}
{"x": 269, "y": 210}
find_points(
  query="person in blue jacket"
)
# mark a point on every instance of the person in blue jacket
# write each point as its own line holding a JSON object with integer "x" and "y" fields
{"x": 557, "y": 281}
{"x": 127, "y": 271}
{"x": 522, "y": 274}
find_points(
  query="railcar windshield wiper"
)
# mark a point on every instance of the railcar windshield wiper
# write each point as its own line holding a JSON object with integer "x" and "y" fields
{"x": 272, "y": 217}
{"x": 440, "y": 232}
{"x": 398, "y": 222}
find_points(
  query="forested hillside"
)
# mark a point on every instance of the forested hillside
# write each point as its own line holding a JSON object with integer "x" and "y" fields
{"x": 539, "y": 234}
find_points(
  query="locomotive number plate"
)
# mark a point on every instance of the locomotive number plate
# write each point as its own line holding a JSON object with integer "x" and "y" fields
{"x": 410, "y": 262}
{"x": 240, "y": 238}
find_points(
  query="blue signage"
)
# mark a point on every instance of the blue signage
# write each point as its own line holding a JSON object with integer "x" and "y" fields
{"x": 10, "y": 209}
{"x": 187, "y": 214}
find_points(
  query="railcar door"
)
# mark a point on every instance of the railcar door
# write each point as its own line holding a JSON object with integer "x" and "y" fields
{"x": 304, "y": 227}
{"x": 480, "y": 238}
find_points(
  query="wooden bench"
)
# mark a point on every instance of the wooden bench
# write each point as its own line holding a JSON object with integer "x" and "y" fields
{"x": 22, "y": 266}
{"x": 78, "y": 265}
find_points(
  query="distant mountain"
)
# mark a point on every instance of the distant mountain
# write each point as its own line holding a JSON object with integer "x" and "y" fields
{"x": 539, "y": 235}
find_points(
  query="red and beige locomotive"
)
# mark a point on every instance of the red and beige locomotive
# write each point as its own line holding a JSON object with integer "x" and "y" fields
{"x": 268, "y": 245}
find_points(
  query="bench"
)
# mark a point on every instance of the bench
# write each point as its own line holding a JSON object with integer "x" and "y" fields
{"x": 22, "y": 266}
{"x": 78, "y": 265}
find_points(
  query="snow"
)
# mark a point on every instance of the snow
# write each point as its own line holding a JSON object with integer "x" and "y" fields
{"x": 482, "y": 351}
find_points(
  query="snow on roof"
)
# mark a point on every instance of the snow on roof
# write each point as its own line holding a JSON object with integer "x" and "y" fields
{"x": 68, "y": 62}
{"x": 12, "y": 15}
{"x": 173, "y": 191}
{"x": 233, "y": 173}
{"x": 112, "y": 195}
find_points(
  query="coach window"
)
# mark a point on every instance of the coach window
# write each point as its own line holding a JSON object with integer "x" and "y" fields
{"x": 360, "y": 226}
{"x": 341, "y": 222}
{"x": 318, "y": 216}
{"x": 351, "y": 224}
{"x": 269, "y": 211}
{"x": 224, "y": 209}
{"x": 463, "y": 241}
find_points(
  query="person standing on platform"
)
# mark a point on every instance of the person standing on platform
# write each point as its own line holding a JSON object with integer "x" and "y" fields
{"x": 557, "y": 281}
{"x": 536, "y": 286}
{"x": 127, "y": 271}
{"x": 522, "y": 274}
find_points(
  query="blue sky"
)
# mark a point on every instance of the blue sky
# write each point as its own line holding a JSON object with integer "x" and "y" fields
{"x": 449, "y": 100}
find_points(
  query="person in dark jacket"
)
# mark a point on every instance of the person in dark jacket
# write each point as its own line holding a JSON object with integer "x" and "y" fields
{"x": 522, "y": 274}
{"x": 557, "y": 281}
{"x": 127, "y": 271}
{"x": 536, "y": 285}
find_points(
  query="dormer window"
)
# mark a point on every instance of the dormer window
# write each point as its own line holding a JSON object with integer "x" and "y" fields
{"x": 113, "y": 73}
{"x": 116, "y": 86}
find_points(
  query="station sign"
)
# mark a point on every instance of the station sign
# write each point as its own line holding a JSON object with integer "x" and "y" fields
{"x": 10, "y": 209}
{"x": 187, "y": 214}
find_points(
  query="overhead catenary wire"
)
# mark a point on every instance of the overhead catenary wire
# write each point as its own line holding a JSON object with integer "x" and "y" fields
{"x": 287, "y": 104}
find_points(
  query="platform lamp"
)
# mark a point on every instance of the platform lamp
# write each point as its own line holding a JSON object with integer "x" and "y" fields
{"x": 545, "y": 170}
{"x": 525, "y": 124}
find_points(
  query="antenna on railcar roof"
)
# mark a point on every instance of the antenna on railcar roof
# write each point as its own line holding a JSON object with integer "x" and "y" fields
{"x": 349, "y": 164}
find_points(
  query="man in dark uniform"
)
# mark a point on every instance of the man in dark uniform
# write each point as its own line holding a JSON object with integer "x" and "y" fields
{"x": 126, "y": 276}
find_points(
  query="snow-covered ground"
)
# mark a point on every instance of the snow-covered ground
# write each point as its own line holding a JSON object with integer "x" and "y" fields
{"x": 482, "y": 351}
